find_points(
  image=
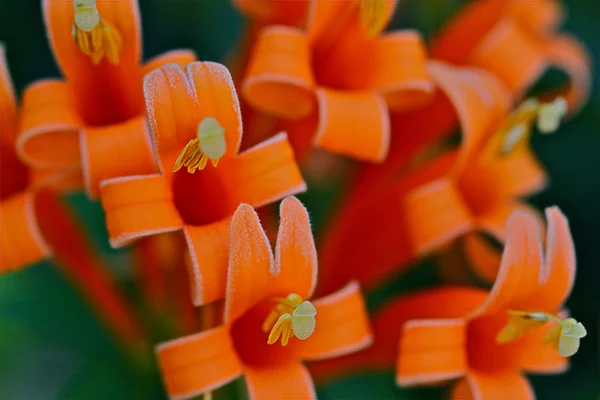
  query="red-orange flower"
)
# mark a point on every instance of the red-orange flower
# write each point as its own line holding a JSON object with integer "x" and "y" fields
{"x": 201, "y": 204}
{"x": 416, "y": 211}
{"x": 488, "y": 339}
{"x": 88, "y": 121}
{"x": 262, "y": 289}
{"x": 516, "y": 41}
{"x": 336, "y": 81}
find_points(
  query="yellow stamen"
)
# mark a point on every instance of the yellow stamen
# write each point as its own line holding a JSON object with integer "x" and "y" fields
{"x": 564, "y": 337}
{"x": 209, "y": 143}
{"x": 95, "y": 37}
{"x": 291, "y": 316}
{"x": 517, "y": 127}
{"x": 372, "y": 16}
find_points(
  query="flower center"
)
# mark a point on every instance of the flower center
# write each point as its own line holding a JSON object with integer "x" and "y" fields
{"x": 517, "y": 127}
{"x": 209, "y": 143}
{"x": 291, "y": 316}
{"x": 372, "y": 16}
{"x": 564, "y": 337}
{"x": 95, "y": 37}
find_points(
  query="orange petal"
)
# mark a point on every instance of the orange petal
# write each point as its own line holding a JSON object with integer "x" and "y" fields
{"x": 568, "y": 54}
{"x": 198, "y": 363}
{"x": 116, "y": 150}
{"x": 519, "y": 276}
{"x": 173, "y": 111}
{"x": 479, "y": 99}
{"x": 263, "y": 174}
{"x": 217, "y": 98}
{"x": 289, "y": 381}
{"x": 436, "y": 213}
{"x": 513, "y": 54}
{"x": 279, "y": 79}
{"x": 179, "y": 57}
{"x": 355, "y": 124}
{"x": 484, "y": 259}
{"x": 251, "y": 265}
{"x": 559, "y": 269}
{"x": 130, "y": 200}
{"x": 439, "y": 303}
{"x": 21, "y": 241}
{"x": 105, "y": 93}
{"x": 540, "y": 359}
{"x": 480, "y": 386}
{"x": 541, "y": 16}
{"x": 274, "y": 11}
{"x": 432, "y": 351}
{"x": 295, "y": 252}
{"x": 342, "y": 326}
{"x": 519, "y": 174}
{"x": 209, "y": 251}
{"x": 59, "y": 180}
{"x": 493, "y": 220}
{"x": 49, "y": 126}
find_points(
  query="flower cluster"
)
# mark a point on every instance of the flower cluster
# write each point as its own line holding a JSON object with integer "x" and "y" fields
{"x": 183, "y": 166}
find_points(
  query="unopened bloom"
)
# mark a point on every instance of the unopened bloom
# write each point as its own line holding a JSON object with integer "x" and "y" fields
{"x": 92, "y": 123}
{"x": 271, "y": 324}
{"x": 195, "y": 117}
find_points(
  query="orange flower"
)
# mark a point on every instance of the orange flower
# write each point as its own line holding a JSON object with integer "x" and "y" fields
{"x": 267, "y": 301}
{"x": 86, "y": 122}
{"x": 336, "y": 81}
{"x": 197, "y": 111}
{"x": 488, "y": 339}
{"x": 267, "y": 12}
{"x": 35, "y": 225}
{"x": 418, "y": 210}
{"x": 516, "y": 41}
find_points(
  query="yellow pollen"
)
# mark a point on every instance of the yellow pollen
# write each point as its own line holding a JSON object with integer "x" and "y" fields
{"x": 291, "y": 316}
{"x": 564, "y": 337}
{"x": 517, "y": 127}
{"x": 372, "y": 16}
{"x": 94, "y": 36}
{"x": 209, "y": 144}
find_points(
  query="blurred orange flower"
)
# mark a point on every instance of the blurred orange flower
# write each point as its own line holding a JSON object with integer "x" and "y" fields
{"x": 336, "y": 81}
{"x": 202, "y": 203}
{"x": 86, "y": 122}
{"x": 267, "y": 301}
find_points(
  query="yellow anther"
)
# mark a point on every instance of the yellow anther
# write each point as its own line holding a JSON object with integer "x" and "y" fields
{"x": 373, "y": 16}
{"x": 94, "y": 36}
{"x": 565, "y": 337}
{"x": 209, "y": 143}
{"x": 291, "y": 316}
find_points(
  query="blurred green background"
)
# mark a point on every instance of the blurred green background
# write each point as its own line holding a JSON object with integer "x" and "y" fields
{"x": 53, "y": 347}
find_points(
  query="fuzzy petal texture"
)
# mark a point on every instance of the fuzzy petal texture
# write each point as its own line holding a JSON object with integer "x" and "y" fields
{"x": 104, "y": 93}
{"x": 355, "y": 124}
{"x": 50, "y": 124}
{"x": 507, "y": 386}
{"x": 286, "y": 382}
{"x": 198, "y": 363}
{"x": 342, "y": 326}
{"x": 520, "y": 273}
{"x": 251, "y": 266}
{"x": 115, "y": 150}
{"x": 432, "y": 351}
{"x": 295, "y": 253}
{"x": 493, "y": 219}
{"x": 279, "y": 79}
{"x": 138, "y": 206}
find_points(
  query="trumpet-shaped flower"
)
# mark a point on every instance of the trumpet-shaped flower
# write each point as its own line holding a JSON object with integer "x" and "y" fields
{"x": 516, "y": 41}
{"x": 195, "y": 116}
{"x": 336, "y": 81}
{"x": 86, "y": 122}
{"x": 271, "y": 324}
{"x": 486, "y": 339}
